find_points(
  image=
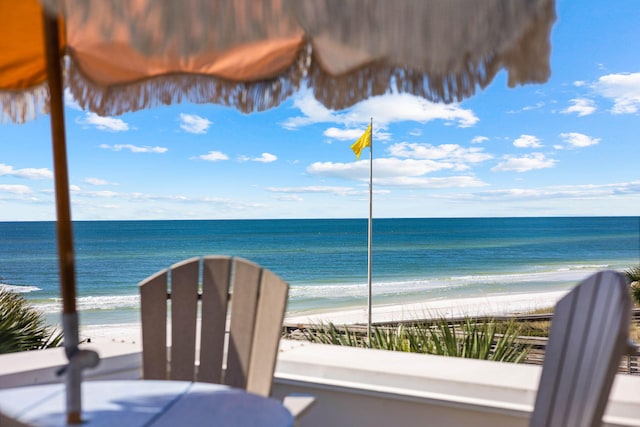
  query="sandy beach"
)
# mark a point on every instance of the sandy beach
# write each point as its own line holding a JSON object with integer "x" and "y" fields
{"x": 477, "y": 306}
{"x": 490, "y": 305}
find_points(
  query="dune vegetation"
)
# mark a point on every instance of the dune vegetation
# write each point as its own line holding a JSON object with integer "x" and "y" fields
{"x": 22, "y": 327}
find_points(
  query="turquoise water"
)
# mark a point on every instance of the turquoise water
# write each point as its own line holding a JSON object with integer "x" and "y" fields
{"x": 325, "y": 261}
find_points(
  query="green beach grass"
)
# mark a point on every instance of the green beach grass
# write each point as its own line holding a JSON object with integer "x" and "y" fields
{"x": 484, "y": 339}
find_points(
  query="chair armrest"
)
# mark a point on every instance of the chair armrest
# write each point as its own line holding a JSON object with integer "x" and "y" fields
{"x": 298, "y": 404}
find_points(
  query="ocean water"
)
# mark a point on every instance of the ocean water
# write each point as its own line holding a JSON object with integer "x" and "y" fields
{"x": 324, "y": 260}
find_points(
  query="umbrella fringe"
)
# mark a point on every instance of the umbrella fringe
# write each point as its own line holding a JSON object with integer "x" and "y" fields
{"x": 24, "y": 105}
{"x": 451, "y": 84}
{"x": 339, "y": 92}
{"x": 173, "y": 88}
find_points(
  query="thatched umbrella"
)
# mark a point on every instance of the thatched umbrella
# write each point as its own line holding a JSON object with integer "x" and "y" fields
{"x": 124, "y": 55}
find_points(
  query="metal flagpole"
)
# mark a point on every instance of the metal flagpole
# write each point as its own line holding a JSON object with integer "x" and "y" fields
{"x": 370, "y": 228}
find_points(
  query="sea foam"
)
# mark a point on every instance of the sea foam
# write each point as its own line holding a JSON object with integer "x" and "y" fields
{"x": 19, "y": 289}
{"x": 111, "y": 302}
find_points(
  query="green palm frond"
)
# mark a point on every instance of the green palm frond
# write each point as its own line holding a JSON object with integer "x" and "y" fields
{"x": 633, "y": 274}
{"x": 22, "y": 327}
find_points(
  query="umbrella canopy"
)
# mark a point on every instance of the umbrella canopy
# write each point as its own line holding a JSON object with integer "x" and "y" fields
{"x": 117, "y": 56}
{"x": 127, "y": 55}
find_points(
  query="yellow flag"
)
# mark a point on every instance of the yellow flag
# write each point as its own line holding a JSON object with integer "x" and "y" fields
{"x": 363, "y": 141}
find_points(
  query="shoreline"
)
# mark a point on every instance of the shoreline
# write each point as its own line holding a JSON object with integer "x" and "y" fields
{"x": 455, "y": 307}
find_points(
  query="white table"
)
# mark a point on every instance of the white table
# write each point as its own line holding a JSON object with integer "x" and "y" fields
{"x": 143, "y": 403}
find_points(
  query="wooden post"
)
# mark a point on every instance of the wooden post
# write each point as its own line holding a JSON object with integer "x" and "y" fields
{"x": 66, "y": 260}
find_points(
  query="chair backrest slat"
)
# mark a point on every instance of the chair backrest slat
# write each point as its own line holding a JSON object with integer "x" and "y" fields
{"x": 245, "y": 289}
{"x": 608, "y": 330}
{"x": 588, "y": 336}
{"x": 184, "y": 304}
{"x": 257, "y": 305}
{"x": 577, "y": 331}
{"x": 216, "y": 278}
{"x": 269, "y": 318}
{"x": 153, "y": 308}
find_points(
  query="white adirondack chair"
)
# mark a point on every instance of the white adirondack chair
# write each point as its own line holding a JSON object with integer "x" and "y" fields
{"x": 589, "y": 335}
{"x": 256, "y": 299}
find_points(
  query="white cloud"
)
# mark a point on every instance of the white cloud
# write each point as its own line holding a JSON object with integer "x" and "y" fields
{"x": 69, "y": 101}
{"x": 109, "y": 124}
{"x": 527, "y": 141}
{"x": 462, "y": 181}
{"x": 576, "y": 139}
{"x": 623, "y": 89}
{"x": 395, "y": 172}
{"x": 579, "y": 83}
{"x": 479, "y": 139}
{"x": 313, "y": 111}
{"x": 536, "y": 106}
{"x": 289, "y": 198}
{"x": 384, "y": 109}
{"x": 447, "y": 152}
{"x": 587, "y": 191}
{"x": 134, "y": 148}
{"x": 193, "y": 123}
{"x": 340, "y": 191}
{"x": 524, "y": 163}
{"x": 383, "y": 168}
{"x": 27, "y": 173}
{"x": 581, "y": 106}
{"x": 15, "y": 189}
{"x": 393, "y": 108}
{"x": 379, "y": 135}
{"x": 161, "y": 201}
{"x": 353, "y": 134}
{"x": 96, "y": 181}
{"x": 214, "y": 156}
{"x": 264, "y": 158}
{"x": 344, "y": 134}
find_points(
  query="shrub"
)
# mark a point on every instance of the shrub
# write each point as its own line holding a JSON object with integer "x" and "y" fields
{"x": 633, "y": 274}
{"x": 635, "y": 292}
{"x": 22, "y": 327}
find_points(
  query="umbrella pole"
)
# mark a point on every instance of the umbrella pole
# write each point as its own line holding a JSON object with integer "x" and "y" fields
{"x": 63, "y": 211}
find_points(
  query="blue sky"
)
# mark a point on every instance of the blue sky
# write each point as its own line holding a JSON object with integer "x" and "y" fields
{"x": 568, "y": 147}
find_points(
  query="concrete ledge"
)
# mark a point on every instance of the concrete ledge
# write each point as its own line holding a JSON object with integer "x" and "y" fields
{"x": 117, "y": 361}
{"x": 466, "y": 380}
{"x": 358, "y": 387}
{"x": 374, "y": 387}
